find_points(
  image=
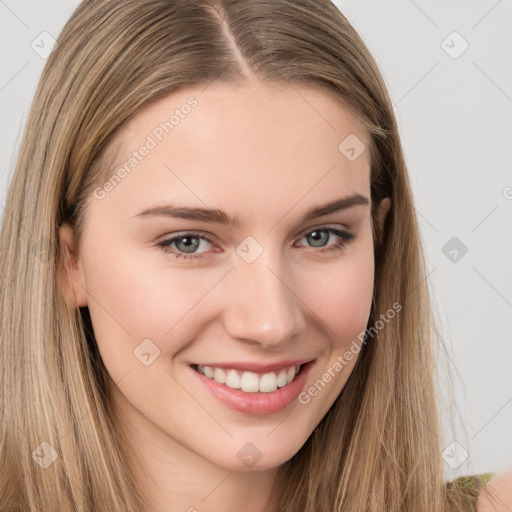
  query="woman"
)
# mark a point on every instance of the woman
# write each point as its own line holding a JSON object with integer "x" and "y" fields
{"x": 227, "y": 308}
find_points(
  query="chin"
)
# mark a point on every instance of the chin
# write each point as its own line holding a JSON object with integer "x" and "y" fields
{"x": 260, "y": 453}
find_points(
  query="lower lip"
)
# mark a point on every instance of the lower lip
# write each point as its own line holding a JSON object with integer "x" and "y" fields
{"x": 257, "y": 404}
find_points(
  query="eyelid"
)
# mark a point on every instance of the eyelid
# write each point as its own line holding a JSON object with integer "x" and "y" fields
{"x": 345, "y": 238}
{"x": 184, "y": 233}
{"x": 326, "y": 225}
{"x": 212, "y": 239}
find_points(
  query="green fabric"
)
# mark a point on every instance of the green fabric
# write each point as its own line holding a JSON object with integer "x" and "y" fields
{"x": 485, "y": 477}
{"x": 470, "y": 485}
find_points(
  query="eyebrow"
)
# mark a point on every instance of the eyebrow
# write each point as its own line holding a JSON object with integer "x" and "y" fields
{"x": 221, "y": 217}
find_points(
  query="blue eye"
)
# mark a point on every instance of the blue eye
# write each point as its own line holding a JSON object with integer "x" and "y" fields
{"x": 184, "y": 245}
{"x": 317, "y": 236}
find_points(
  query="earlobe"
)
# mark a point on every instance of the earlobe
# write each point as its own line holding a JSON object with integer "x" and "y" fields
{"x": 382, "y": 212}
{"x": 69, "y": 273}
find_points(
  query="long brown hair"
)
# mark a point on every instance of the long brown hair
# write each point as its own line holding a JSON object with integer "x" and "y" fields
{"x": 378, "y": 448}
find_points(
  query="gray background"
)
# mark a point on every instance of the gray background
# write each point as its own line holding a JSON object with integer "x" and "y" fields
{"x": 454, "y": 109}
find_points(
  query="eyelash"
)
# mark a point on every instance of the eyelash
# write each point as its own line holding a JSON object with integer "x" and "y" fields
{"x": 345, "y": 236}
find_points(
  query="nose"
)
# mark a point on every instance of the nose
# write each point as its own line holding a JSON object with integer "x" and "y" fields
{"x": 261, "y": 305}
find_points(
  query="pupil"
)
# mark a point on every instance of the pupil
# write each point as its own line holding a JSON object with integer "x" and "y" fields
{"x": 189, "y": 244}
{"x": 314, "y": 235}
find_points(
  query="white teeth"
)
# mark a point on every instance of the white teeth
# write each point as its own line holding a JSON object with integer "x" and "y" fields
{"x": 232, "y": 379}
{"x": 290, "y": 374}
{"x": 268, "y": 382}
{"x": 219, "y": 376}
{"x": 281, "y": 379}
{"x": 250, "y": 382}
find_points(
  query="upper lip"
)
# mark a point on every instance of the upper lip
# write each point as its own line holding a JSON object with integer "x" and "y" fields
{"x": 251, "y": 366}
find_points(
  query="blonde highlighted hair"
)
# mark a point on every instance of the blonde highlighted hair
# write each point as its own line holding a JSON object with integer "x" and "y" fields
{"x": 378, "y": 447}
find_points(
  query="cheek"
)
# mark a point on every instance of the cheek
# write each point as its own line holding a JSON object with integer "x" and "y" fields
{"x": 341, "y": 306}
{"x": 130, "y": 301}
{"x": 342, "y": 295}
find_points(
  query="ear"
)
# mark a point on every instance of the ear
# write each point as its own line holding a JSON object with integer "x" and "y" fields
{"x": 381, "y": 214}
{"x": 70, "y": 273}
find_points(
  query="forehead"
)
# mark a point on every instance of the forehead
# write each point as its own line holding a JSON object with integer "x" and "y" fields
{"x": 259, "y": 142}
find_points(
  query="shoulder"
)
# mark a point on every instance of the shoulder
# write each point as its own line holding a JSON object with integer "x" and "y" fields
{"x": 496, "y": 496}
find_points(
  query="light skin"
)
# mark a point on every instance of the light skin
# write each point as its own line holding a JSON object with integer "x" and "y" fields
{"x": 498, "y": 496}
{"x": 266, "y": 154}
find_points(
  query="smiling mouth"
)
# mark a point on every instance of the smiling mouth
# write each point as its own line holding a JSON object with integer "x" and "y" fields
{"x": 250, "y": 382}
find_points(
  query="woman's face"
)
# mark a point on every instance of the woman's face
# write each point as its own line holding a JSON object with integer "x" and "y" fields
{"x": 172, "y": 288}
